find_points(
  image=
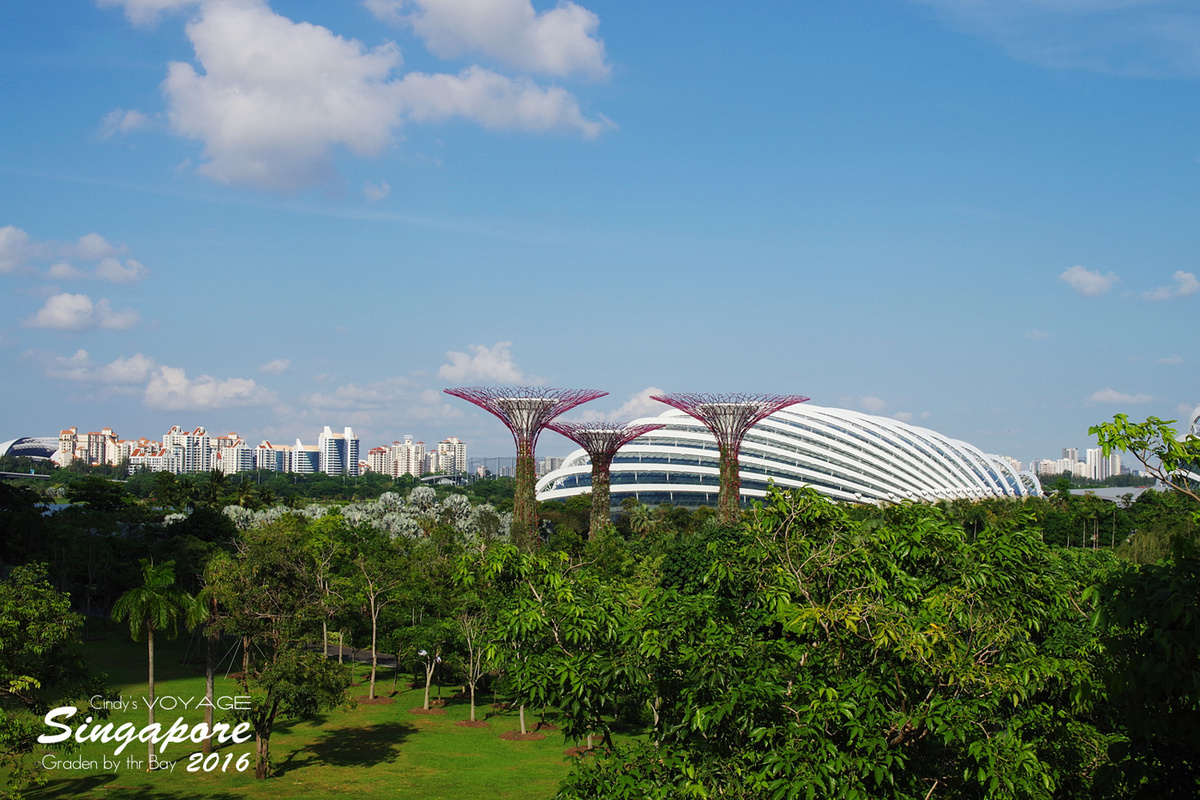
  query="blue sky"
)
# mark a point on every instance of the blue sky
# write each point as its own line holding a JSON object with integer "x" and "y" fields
{"x": 980, "y": 216}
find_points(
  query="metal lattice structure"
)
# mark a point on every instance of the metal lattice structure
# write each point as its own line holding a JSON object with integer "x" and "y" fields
{"x": 729, "y": 417}
{"x": 601, "y": 441}
{"x": 525, "y": 411}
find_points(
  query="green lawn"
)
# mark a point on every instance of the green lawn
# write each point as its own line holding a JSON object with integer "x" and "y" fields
{"x": 366, "y": 752}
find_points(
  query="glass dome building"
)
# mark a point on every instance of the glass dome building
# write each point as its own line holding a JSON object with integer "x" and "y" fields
{"x": 843, "y": 454}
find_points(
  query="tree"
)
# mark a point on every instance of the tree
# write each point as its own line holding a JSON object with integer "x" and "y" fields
{"x": 267, "y": 594}
{"x": 38, "y": 636}
{"x": 1150, "y": 616}
{"x": 157, "y": 605}
{"x": 1154, "y": 443}
{"x": 882, "y": 653}
{"x": 559, "y": 637}
{"x": 380, "y": 573}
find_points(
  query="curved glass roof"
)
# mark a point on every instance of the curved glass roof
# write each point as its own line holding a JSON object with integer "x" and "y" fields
{"x": 844, "y": 454}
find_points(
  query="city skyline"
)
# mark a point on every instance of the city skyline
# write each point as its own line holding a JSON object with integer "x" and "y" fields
{"x": 968, "y": 217}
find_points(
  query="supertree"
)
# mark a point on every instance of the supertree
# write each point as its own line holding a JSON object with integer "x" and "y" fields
{"x": 525, "y": 411}
{"x": 729, "y": 417}
{"x": 601, "y": 440}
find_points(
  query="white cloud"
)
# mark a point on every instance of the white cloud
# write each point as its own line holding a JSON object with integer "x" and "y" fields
{"x": 77, "y": 312}
{"x": 872, "y": 404}
{"x": 1036, "y": 334}
{"x": 115, "y": 320}
{"x": 110, "y": 269}
{"x": 120, "y": 121}
{"x": 1113, "y": 397}
{"x": 1131, "y": 37}
{"x": 63, "y": 271}
{"x": 374, "y": 192}
{"x": 146, "y": 12}
{"x": 276, "y": 367}
{"x": 1087, "y": 282}
{"x": 273, "y": 100}
{"x": 18, "y": 250}
{"x": 14, "y": 248}
{"x": 170, "y": 389}
{"x": 638, "y": 405}
{"x": 91, "y": 247}
{"x": 1185, "y": 284}
{"x": 1176, "y": 359}
{"x": 78, "y": 367}
{"x": 904, "y": 416}
{"x": 371, "y": 396}
{"x": 558, "y": 41}
{"x": 387, "y": 403}
{"x": 123, "y": 371}
{"x": 134, "y": 369}
{"x": 484, "y": 364}
{"x": 277, "y": 96}
{"x": 497, "y": 102}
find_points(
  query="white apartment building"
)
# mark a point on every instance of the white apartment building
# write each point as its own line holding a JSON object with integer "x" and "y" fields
{"x": 377, "y": 460}
{"x": 233, "y": 455}
{"x": 273, "y": 457}
{"x": 191, "y": 447}
{"x": 452, "y": 455}
{"x": 339, "y": 452}
{"x": 306, "y": 459}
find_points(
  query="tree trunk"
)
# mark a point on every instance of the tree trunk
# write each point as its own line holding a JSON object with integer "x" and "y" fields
{"x": 374, "y": 653}
{"x": 210, "y": 677}
{"x": 472, "y": 701}
{"x": 262, "y": 753}
{"x": 429, "y": 665}
{"x": 150, "y": 651}
{"x": 523, "y": 731}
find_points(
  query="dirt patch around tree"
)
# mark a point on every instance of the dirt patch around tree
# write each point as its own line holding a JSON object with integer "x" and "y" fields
{"x": 466, "y": 723}
{"x": 427, "y": 711}
{"x": 578, "y": 752}
{"x": 379, "y": 700}
{"x": 517, "y": 736}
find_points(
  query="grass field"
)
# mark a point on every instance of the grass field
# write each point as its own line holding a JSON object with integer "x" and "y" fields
{"x": 365, "y": 752}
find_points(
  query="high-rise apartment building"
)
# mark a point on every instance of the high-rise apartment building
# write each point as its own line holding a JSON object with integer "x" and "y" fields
{"x": 452, "y": 455}
{"x": 306, "y": 459}
{"x": 339, "y": 452}
{"x": 192, "y": 448}
{"x": 273, "y": 457}
{"x": 406, "y": 458}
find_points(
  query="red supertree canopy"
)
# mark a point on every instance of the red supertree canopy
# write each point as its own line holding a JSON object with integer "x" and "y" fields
{"x": 525, "y": 410}
{"x": 729, "y": 416}
{"x": 601, "y": 438}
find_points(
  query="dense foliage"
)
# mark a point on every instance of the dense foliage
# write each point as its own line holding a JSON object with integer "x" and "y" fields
{"x": 1047, "y": 648}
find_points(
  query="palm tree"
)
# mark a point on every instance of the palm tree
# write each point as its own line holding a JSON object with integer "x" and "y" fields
{"x": 157, "y": 605}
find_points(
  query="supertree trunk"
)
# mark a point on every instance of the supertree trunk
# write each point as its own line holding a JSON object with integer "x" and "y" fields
{"x": 525, "y": 518}
{"x": 729, "y": 417}
{"x": 729, "y": 499}
{"x": 601, "y": 499}
{"x": 525, "y": 411}
{"x": 601, "y": 441}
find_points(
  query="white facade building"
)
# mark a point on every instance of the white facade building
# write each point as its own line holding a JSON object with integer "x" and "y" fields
{"x": 844, "y": 454}
{"x": 191, "y": 448}
{"x": 339, "y": 452}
